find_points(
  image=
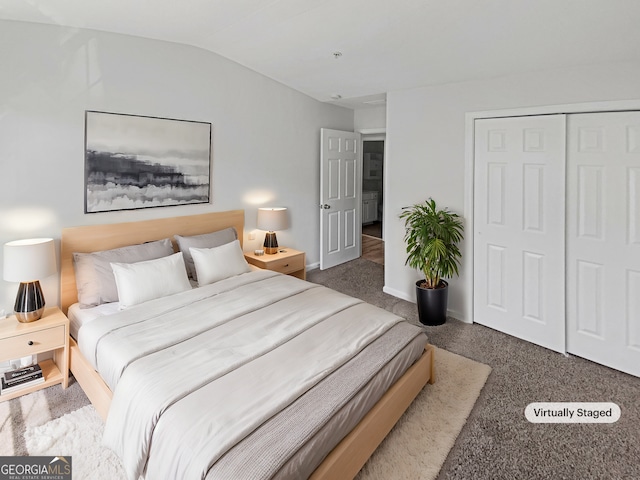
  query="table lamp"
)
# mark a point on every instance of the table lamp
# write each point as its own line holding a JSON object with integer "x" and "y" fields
{"x": 272, "y": 219}
{"x": 28, "y": 261}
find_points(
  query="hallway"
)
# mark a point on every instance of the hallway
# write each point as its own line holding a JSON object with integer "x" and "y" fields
{"x": 373, "y": 249}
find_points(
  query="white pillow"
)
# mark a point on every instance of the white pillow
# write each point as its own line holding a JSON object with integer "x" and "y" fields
{"x": 94, "y": 275}
{"x": 218, "y": 263}
{"x": 143, "y": 281}
{"x": 206, "y": 240}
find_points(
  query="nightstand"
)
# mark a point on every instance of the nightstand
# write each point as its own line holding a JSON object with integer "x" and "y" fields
{"x": 49, "y": 334}
{"x": 287, "y": 260}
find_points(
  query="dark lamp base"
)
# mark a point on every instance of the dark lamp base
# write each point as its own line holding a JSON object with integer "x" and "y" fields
{"x": 270, "y": 243}
{"x": 26, "y": 317}
{"x": 29, "y": 302}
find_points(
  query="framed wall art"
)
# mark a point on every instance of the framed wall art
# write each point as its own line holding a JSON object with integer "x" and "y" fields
{"x": 136, "y": 162}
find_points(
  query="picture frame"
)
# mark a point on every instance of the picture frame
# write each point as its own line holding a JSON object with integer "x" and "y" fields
{"x": 135, "y": 161}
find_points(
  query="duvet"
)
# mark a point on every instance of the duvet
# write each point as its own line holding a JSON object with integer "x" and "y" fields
{"x": 205, "y": 380}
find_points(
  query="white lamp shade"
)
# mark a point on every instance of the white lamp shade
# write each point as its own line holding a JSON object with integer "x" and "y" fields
{"x": 272, "y": 219}
{"x": 29, "y": 260}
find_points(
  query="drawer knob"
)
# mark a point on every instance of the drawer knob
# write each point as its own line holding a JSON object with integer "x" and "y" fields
{"x": 287, "y": 265}
{"x": 30, "y": 342}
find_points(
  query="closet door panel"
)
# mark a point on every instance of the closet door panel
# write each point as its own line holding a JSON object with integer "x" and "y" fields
{"x": 519, "y": 227}
{"x": 603, "y": 238}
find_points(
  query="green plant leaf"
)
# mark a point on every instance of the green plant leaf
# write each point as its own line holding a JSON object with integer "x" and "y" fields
{"x": 432, "y": 236}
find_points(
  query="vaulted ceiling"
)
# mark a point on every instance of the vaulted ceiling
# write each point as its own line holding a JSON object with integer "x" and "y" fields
{"x": 361, "y": 49}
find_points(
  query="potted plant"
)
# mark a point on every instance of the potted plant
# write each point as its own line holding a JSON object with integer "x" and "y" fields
{"x": 432, "y": 237}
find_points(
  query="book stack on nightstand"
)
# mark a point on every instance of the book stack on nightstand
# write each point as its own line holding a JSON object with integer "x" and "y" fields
{"x": 49, "y": 335}
{"x": 21, "y": 378}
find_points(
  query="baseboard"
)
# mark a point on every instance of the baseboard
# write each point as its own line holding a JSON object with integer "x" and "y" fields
{"x": 402, "y": 295}
{"x": 457, "y": 315}
{"x": 312, "y": 266}
{"x": 398, "y": 294}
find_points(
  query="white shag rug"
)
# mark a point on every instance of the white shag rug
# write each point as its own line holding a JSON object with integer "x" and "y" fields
{"x": 79, "y": 434}
{"x": 419, "y": 443}
{"x": 415, "y": 449}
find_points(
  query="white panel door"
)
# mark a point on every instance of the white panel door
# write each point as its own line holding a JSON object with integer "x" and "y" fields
{"x": 603, "y": 239}
{"x": 519, "y": 218}
{"x": 340, "y": 178}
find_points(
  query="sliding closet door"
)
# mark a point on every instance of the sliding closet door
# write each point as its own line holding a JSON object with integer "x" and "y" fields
{"x": 519, "y": 227}
{"x": 603, "y": 239}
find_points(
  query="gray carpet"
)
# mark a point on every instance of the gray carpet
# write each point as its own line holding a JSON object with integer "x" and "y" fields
{"x": 498, "y": 442}
{"x": 35, "y": 409}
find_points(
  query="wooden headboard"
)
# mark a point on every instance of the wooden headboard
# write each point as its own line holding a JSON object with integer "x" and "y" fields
{"x": 93, "y": 238}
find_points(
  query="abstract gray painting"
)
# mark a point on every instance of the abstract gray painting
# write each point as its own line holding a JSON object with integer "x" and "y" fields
{"x": 141, "y": 162}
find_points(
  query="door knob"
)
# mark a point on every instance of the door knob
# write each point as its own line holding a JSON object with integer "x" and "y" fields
{"x": 325, "y": 206}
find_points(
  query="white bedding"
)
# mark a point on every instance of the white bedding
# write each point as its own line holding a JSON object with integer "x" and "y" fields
{"x": 244, "y": 329}
{"x": 79, "y": 316}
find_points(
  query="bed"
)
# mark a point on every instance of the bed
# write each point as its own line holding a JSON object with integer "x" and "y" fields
{"x": 348, "y": 450}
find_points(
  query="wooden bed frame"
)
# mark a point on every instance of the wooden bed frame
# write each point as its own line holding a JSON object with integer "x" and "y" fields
{"x": 348, "y": 457}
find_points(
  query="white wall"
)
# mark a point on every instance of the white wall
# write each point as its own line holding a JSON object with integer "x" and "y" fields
{"x": 265, "y": 135}
{"x": 370, "y": 118}
{"x": 426, "y": 140}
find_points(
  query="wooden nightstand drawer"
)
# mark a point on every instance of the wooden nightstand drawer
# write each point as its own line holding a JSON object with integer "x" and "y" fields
{"x": 287, "y": 261}
{"x": 33, "y": 342}
{"x": 286, "y": 265}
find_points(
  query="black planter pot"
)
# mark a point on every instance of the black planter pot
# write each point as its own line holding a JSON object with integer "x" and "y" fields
{"x": 432, "y": 303}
